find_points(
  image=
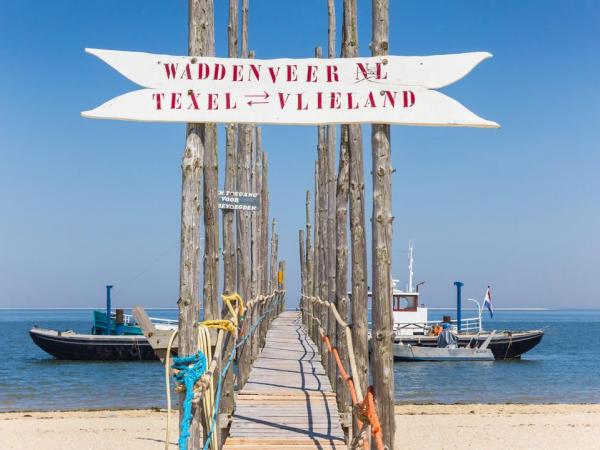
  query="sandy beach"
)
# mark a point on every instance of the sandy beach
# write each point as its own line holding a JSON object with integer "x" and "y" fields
{"x": 419, "y": 427}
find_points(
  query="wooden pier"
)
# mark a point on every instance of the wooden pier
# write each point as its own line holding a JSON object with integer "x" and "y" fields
{"x": 287, "y": 402}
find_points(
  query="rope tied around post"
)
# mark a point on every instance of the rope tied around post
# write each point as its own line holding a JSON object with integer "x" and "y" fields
{"x": 188, "y": 370}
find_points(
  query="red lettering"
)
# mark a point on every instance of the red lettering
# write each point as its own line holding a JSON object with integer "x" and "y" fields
{"x": 193, "y": 98}
{"x": 254, "y": 69}
{"x": 352, "y": 103}
{"x": 158, "y": 98}
{"x": 219, "y": 72}
{"x": 378, "y": 72}
{"x": 291, "y": 72}
{"x": 274, "y": 74}
{"x": 332, "y": 74}
{"x": 370, "y": 103}
{"x": 175, "y": 100}
{"x": 203, "y": 71}
{"x": 335, "y": 102}
{"x": 301, "y": 106}
{"x": 187, "y": 73}
{"x": 237, "y": 73}
{"x": 283, "y": 98}
{"x": 391, "y": 97}
{"x": 311, "y": 74}
{"x": 319, "y": 100}
{"x": 212, "y": 101}
{"x": 228, "y": 103}
{"x": 171, "y": 70}
{"x": 360, "y": 68}
{"x": 409, "y": 98}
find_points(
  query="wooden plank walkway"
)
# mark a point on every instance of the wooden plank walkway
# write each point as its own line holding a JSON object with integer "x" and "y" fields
{"x": 287, "y": 402}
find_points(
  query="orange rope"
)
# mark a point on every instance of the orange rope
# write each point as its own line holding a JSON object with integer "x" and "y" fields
{"x": 367, "y": 407}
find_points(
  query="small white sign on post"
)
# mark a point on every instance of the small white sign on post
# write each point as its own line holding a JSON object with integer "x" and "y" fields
{"x": 384, "y": 89}
{"x": 247, "y": 201}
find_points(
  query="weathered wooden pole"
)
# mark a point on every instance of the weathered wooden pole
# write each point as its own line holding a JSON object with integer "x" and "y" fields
{"x": 309, "y": 267}
{"x": 256, "y": 176}
{"x": 192, "y": 171}
{"x": 242, "y": 217}
{"x": 273, "y": 264}
{"x": 382, "y": 358}
{"x": 229, "y": 264}
{"x": 264, "y": 224}
{"x": 211, "y": 180}
{"x": 256, "y": 235}
{"x": 331, "y": 206}
{"x": 317, "y": 259}
{"x": 357, "y": 223}
{"x": 302, "y": 249}
{"x": 341, "y": 267}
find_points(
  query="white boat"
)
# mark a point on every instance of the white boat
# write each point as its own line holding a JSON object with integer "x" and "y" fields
{"x": 412, "y": 327}
{"x": 408, "y": 352}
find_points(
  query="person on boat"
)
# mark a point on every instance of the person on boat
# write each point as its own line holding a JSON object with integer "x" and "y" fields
{"x": 446, "y": 338}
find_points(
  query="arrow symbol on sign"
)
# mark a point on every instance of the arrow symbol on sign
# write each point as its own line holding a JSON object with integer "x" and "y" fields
{"x": 253, "y": 102}
{"x": 264, "y": 95}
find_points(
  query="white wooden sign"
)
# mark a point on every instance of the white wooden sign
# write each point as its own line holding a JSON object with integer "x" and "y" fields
{"x": 248, "y": 201}
{"x": 386, "y": 89}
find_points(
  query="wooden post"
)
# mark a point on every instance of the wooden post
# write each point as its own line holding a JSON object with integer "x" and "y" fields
{"x": 256, "y": 175}
{"x": 309, "y": 266}
{"x": 316, "y": 251}
{"x": 264, "y": 224}
{"x": 321, "y": 219}
{"x": 274, "y": 245}
{"x": 357, "y": 221}
{"x": 341, "y": 266}
{"x": 331, "y": 206}
{"x": 256, "y": 232}
{"x": 242, "y": 217}
{"x": 192, "y": 170}
{"x": 382, "y": 361}
{"x": 211, "y": 211}
{"x": 229, "y": 265}
{"x": 302, "y": 248}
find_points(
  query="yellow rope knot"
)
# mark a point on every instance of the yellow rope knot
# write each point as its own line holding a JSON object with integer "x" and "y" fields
{"x": 235, "y": 297}
{"x": 226, "y": 325}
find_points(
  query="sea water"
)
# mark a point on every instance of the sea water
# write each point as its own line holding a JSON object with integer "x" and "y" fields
{"x": 564, "y": 367}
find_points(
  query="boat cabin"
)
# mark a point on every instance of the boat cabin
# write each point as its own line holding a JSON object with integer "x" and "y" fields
{"x": 409, "y": 316}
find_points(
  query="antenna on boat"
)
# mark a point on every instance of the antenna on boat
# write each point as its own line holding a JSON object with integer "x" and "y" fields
{"x": 410, "y": 267}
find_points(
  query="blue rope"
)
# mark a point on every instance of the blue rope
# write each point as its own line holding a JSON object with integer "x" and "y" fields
{"x": 191, "y": 368}
{"x": 226, "y": 368}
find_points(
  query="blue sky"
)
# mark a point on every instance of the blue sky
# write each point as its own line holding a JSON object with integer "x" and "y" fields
{"x": 84, "y": 203}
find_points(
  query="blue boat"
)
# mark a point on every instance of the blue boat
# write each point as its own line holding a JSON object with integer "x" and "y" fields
{"x": 116, "y": 339}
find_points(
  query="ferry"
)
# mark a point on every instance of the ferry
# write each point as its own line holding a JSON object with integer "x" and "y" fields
{"x": 413, "y": 327}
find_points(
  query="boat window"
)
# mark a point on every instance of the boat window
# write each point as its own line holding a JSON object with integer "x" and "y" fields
{"x": 402, "y": 303}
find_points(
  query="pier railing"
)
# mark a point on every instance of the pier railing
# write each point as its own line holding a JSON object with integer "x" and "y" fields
{"x": 241, "y": 333}
{"x": 207, "y": 377}
{"x": 363, "y": 405}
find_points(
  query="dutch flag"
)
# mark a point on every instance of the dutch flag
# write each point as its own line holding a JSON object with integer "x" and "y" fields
{"x": 487, "y": 301}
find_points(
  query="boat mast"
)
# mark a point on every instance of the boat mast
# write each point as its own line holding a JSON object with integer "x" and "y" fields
{"x": 410, "y": 267}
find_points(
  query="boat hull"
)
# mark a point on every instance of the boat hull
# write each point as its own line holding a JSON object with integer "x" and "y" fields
{"x": 504, "y": 345}
{"x": 89, "y": 347}
{"x": 420, "y": 353}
